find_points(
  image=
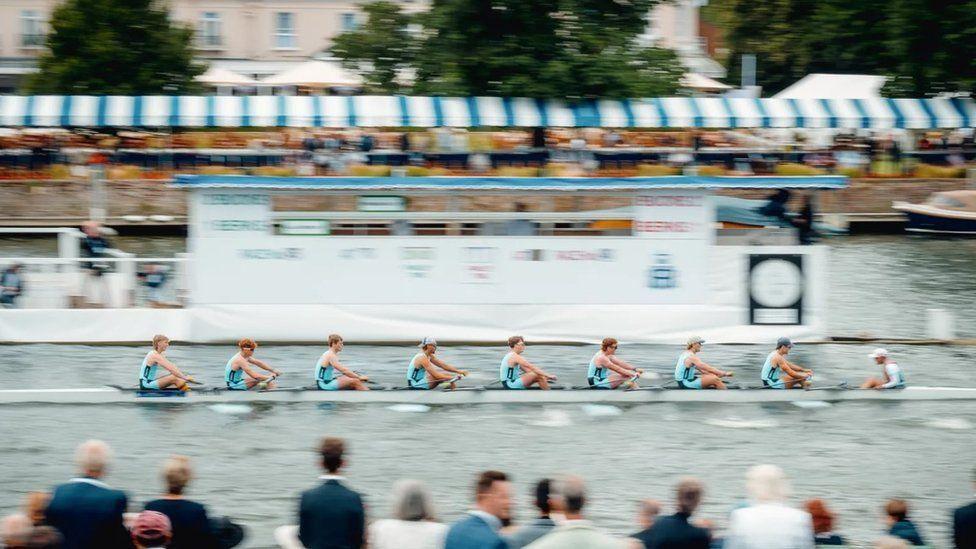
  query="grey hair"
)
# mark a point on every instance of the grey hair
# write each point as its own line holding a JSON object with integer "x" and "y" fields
{"x": 572, "y": 491}
{"x": 412, "y": 501}
{"x": 767, "y": 483}
{"x": 93, "y": 457}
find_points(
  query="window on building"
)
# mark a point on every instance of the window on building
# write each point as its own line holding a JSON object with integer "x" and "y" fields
{"x": 349, "y": 21}
{"x": 284, "y": 30}
{"x": 209, "y": 33}
{"x": 32, "y": 29}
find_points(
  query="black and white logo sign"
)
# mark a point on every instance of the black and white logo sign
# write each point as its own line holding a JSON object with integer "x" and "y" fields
{"x": 776, "y": 288}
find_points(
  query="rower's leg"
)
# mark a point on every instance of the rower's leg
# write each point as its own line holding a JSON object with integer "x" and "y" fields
{"x": 710, "y": 381}
{"x": 533, "y": 378}
{"x": 616, "y": 380}
{"x": 871, "y": 383}
{"x": 170, "y": 381}
{"x": 351, "y": 383}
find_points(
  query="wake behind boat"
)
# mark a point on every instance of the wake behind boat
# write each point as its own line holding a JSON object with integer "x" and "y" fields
{"x": 477, "y": 395}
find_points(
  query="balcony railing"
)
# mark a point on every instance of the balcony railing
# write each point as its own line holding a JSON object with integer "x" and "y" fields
{"x": 210, "y": 42}
{"x": 32, "y": 40}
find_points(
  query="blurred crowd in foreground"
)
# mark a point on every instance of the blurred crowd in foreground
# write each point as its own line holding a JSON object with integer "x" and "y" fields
{"x": 85, "y": 512}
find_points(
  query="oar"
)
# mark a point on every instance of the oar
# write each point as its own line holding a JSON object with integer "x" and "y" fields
{"x": 841, "y": 385}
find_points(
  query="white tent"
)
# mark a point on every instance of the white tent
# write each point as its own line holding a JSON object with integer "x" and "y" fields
{"x": 696, "y": 81}
{"x": 315, "y": 74}
{"x": 834, "y": 86}
{"x": 216, "y": 76}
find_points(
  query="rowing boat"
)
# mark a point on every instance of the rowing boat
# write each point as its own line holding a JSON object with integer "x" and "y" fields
{"x": 119, "y": 395}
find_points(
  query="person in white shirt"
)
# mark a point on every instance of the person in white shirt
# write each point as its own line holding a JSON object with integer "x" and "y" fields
{"x": 768, "y": 522}
{"x": 576, "y": 532}
{"x": 892, "y": 376}
{"x": 413, "y": 525}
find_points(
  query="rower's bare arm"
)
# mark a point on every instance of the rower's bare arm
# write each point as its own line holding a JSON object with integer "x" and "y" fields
{"x": 445, "y": 366}
{"x": 620, "y": 367}
{"x": 432, "y": 369}
{"x": 529, "y": 367}
{"x": 251, "y": 372}
{"x": 165, "y": 363}
{"x": 342, "y": 369}
{"x": 262, "y": 364}
{"x": 706, "y": 368}
{"x": 789, "y": 370}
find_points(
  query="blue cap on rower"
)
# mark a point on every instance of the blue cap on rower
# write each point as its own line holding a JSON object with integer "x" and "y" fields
{"x": 428, "y": 341}
{"x": 783, "y": 342}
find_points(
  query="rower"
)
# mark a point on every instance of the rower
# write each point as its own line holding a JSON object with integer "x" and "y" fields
{"x": 691, "y": 372}
{"x": 240, "y": 364}
{"x": 327, "y": 366}
{"x": 893, "y": 378}
{"x": 606, "y": 360}
{"x": 518, "y": 373}
{"x": 779, "y": 373}
{"x": 426, "y": 371}
{"x": 150, "y": 379}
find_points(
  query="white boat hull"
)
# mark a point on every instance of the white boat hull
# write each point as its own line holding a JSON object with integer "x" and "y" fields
{"x": 105, "y": 395}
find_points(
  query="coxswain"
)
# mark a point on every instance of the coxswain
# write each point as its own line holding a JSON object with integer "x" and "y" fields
{"x": 893, "y": 378}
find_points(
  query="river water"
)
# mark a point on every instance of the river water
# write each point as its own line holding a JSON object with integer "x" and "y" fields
{"x": 253, "y": 461}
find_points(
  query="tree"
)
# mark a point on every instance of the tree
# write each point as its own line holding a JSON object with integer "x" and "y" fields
{"x": 381, "y": 50}
{"x": 125, "y": 47}
{"x": 544, "y": 48}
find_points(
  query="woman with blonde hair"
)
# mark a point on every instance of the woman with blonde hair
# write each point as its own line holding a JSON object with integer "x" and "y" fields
{"x": 413, "y": 525}
{"x": 191, "y": 526}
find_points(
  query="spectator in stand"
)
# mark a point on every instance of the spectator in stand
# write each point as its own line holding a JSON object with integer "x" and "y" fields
{"x": 331, "y": 515}
{"x": 768, "y": 522}
{"x": 86, "y": 511}
{"x": 414, "y": 525}
{"x": 576, "y": 532}
{"x": 545, "y": 500}
{"x": 15, "y": 530}
{"x": 675, "y": 531}
{"x": 823, "y": 523}
{"x": 94, "y": 245}
{"x": 520, "y": 227}
{"x": 538, "y": 138}
{"x": 776, "y": 206}
{"x": 647, "y": 513}
{"x": 899, "y": 525}
{"x": 36, "y": 507}
{"x": 493, "y": 503}
{"x": 804, "y": 222}
{"x": 154, "y": 277}
{"x": 11, "y": 286}
{"x": 151, "y": 530}
{"x": 964, "y": 524}
{"x": 188, "y": 519}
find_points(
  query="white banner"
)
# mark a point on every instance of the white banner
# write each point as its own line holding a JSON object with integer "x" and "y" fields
{"x": 669, "y": 214}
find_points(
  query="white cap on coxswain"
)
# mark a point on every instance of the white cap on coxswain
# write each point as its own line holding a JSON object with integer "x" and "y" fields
{"x": 428, "y": 341}
{"x": 878, "y": 353}
{"x": 695, "y": 339}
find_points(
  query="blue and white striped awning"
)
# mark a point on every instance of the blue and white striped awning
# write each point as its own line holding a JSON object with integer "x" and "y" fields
{"x": 402, "y": 111}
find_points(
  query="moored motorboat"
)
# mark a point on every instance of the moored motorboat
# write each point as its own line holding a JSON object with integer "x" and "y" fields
{"x": 947, "y": 212}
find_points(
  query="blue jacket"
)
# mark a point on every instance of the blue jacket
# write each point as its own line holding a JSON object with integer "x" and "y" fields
{"x": 472, "y": 532}
{"x": 331, "y": 516}
{"x": 906, "y": 530}
{"x": 89, "y": 514}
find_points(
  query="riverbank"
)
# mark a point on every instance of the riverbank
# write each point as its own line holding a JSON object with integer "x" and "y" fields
{"x": 155, "y": 207}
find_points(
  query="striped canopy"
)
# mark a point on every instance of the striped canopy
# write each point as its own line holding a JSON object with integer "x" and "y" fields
{"x": 403, "y": 111}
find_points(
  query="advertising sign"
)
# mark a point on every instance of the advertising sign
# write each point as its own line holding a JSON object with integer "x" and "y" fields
{"x": 776, "y": 288}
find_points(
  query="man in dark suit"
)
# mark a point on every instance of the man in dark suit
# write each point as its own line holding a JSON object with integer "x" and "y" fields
{"x": 675, "y": 531}
{"x": 85, "y": 510}
{"x": 493, "y": 503}
{"x": 331, "y": 515}
{"x": 964, "y": 524}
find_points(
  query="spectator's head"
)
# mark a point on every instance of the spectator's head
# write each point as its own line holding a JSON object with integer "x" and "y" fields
{"x": 767, "y": 484}
{"x": 493, "y": 494}
{"x": 823, "y": 518}
{"x": 572, "y": 493}
{"x": 36, "y": 506}
{"x": 890, "y": 542}
{"x": 332, "y": 451}
{"x": 45, "y": 537}
{"x": 896, "y": 510}
{"x": 91, "y": 228}
{"x": 517, "y": 343}
{"x": 93, "y": 457}
{"x": 160, "y": 342}
{"x": 334, "y": 340}
{"x": 177, "y": 474}
{"x": 543, "y": 496}
{"x": 647, "y": 512}
{"x": 689, "y": 495}
{"x": 16, "y": 267}
{"x": 412, "y": 501}
{"x": 15, "y": 530}
{"x": 151, "y": 529}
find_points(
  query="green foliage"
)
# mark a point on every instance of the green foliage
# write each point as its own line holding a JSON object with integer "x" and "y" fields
{"x": 381, "y": 50}
{"x": 924, "y": 46}
{"x": 544, "y": 48}
{"x": 125, "y": 47}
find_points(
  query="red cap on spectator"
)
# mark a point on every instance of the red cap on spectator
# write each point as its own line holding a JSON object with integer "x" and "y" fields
{"x": 151, "y": 525}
